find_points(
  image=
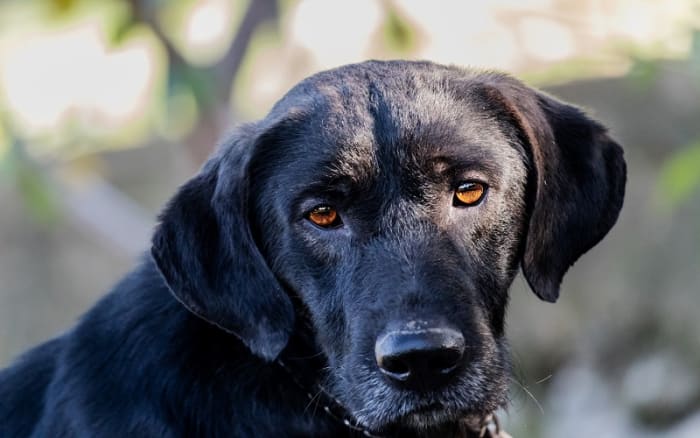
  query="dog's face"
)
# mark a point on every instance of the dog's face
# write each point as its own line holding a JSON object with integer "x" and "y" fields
{"x": 359, "y": 211}
{"x": 395, "y": 202}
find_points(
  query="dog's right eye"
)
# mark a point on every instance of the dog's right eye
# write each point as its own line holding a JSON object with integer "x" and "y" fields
{"x": 324, "y": 216}
{"x": 469, "y": 193}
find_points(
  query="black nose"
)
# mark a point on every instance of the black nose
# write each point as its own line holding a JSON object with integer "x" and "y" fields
{"x": 423, "y": 357}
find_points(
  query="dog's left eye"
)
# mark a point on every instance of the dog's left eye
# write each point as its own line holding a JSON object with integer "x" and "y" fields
{"x": 324, "y": 216}
{"x": 469, "y": 193}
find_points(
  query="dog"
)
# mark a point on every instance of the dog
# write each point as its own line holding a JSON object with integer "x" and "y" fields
{"x": 338, "y": 268}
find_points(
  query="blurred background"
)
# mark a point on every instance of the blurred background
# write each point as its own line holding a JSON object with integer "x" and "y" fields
{"x": 107, "y": 106}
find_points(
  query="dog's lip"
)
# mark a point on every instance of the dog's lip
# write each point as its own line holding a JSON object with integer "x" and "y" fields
{"x": 422, "y": 412}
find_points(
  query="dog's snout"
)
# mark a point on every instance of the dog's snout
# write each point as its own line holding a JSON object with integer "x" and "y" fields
{"x": 422, "y": 357}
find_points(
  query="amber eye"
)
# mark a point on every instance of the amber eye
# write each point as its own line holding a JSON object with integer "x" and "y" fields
{"x": 469, "y": 193}
{"x": 324, "y": 216}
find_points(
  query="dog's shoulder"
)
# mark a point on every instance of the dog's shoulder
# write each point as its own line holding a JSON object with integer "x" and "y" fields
{"x": 139, "y": 362}
{"x": 23, "y": 386}
{"x": 48, "y": 381}
{"x": 110, "y": 351}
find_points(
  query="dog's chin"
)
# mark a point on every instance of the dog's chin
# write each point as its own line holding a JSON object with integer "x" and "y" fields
{"x": 429, "y": 420}
{"x": 425, "y": 418}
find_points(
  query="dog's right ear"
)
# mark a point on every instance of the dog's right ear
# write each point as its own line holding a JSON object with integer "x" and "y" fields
{"x": 205, "y": 251}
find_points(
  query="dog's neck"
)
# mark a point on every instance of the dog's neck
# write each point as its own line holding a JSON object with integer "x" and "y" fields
{"x": 331, "y": 406}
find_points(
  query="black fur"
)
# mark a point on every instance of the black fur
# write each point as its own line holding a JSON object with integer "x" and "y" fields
{"x": 186, "y": 345}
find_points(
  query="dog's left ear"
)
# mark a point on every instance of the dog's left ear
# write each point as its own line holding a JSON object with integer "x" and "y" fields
{"x": 576, "y": 187}
{"x": 205, "y": 251}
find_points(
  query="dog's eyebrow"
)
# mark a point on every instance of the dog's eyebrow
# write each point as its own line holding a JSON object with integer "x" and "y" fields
{"x": 330, "y": 181}
{"x": 350, "y": 169}
{"x": 446, "y": 164}
{"x": 338, "y": 186}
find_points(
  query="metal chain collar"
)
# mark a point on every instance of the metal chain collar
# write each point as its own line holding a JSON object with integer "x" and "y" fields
{"x": 350, "y": 423}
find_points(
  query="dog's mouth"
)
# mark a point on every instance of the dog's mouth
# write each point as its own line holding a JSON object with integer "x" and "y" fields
{"x": 419, "y": 418}
{"x": 441, "y": 413}
{"x": 434, "y": 419}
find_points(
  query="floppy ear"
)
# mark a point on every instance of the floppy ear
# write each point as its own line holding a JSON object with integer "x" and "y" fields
{"x": 577, "y": 184}
{"x": 205, "y": 251}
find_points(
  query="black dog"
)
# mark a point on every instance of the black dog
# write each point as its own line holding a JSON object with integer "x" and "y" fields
{"x": 338, "y": 268}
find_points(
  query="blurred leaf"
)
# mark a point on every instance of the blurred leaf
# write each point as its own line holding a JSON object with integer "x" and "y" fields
{"x": 36, "y": 193}
{"x": 5, "y": 151}
{"x": 680, "y": 174}
{"x": 575, "y": 69}
{"x": 4, "y": 144}
{"x": 197, "y": 80}
{"x": 643, "y": 72}
{"x": 398, "y": 33}
{"x": 31, "y": 184}
{"x": 62, "y": 6}
{"x": 120, "y": 23}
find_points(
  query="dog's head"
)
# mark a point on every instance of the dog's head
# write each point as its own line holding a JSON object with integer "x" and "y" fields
{"x": 396, "y": 201}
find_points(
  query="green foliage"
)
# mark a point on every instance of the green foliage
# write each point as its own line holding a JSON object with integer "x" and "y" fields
{"x": 680, "y": 174}
{"x": 4, "y": 144}
{"x": 579, "y": 68}
{"x": 61, "y": 6}
{"x": 36, "y": 194}
{"x": 679, "y": 179}
{"x": 198, "y": 81}
{"x": 399, "y": 36}
{"x": 643, "y": 72}
{"x": 31, "y": 183}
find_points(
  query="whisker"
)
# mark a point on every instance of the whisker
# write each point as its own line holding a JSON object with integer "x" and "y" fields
{"x": 544, "y": 379}
{"x": 530, "y": 394}
{"x": 313, "y": 400}
{"x": 312, "y": 356}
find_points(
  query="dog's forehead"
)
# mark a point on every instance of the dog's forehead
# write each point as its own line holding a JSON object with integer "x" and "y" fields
{"x": 356, "y": 123}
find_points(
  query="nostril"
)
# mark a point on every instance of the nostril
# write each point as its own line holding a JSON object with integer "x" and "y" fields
{"x": 394, "y": 367}
{"x": 445, "y": 360}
